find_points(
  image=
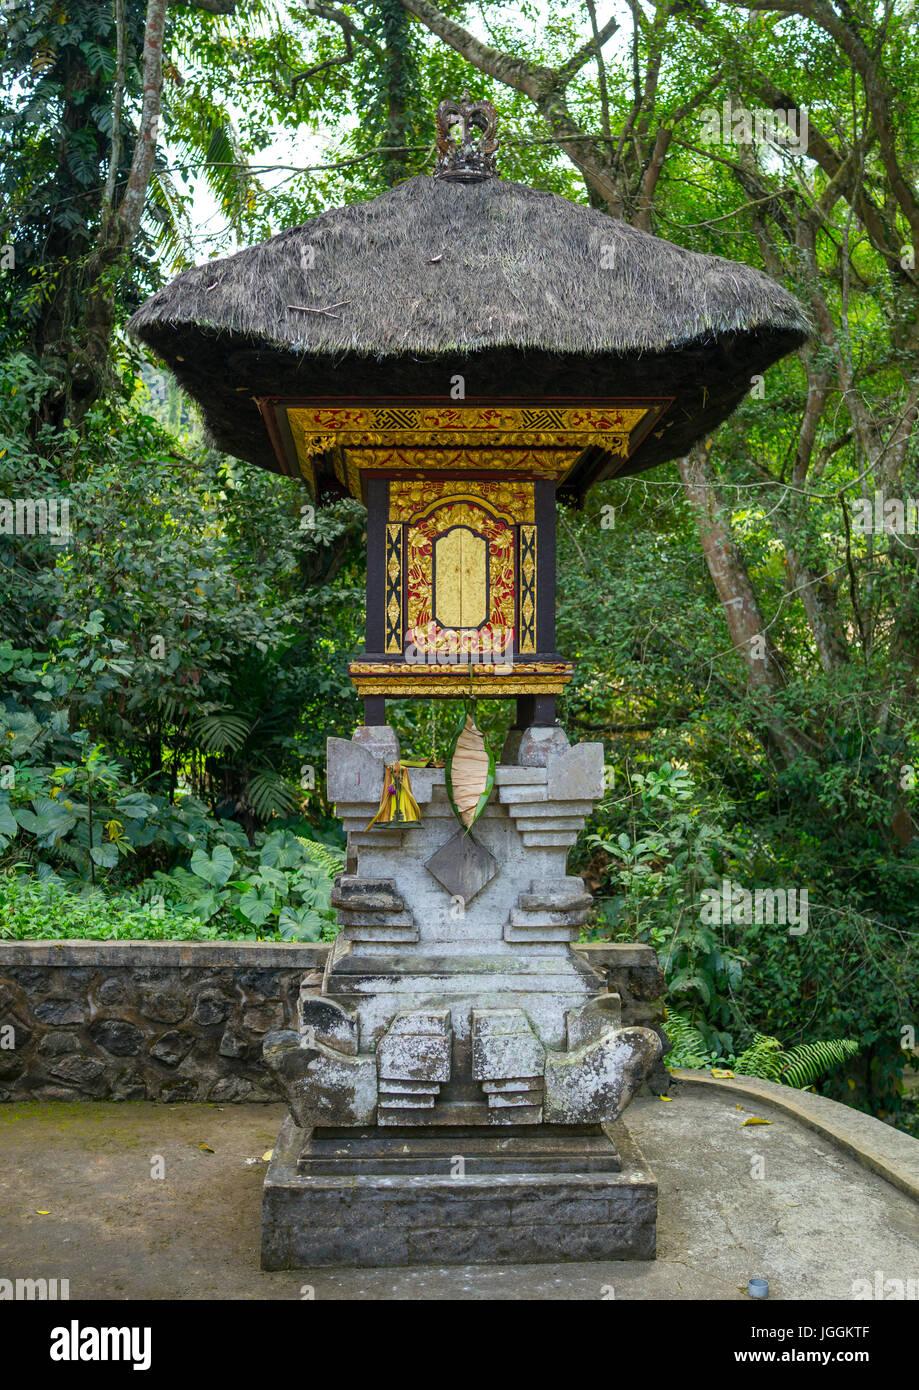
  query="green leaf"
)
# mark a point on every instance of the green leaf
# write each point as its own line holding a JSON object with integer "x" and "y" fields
{"x": 216, "y": 868}
{"x": 302, "y": 925}
{"x": 255, "y": 908}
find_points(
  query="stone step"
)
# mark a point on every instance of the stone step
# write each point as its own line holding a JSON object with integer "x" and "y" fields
{"x": 512, "y": 796}
{"x": 549, "y": 839}
{"x": 388, "y": 918}
{"x": 534, "y": 918}
{"x": 540, "y": 935}
{"x": 548, "y": 810}
{"x": 510, "y": 776}
{"x": 367, "y": 895}
{"x": 400, "y": 1102}
{"x": 444, "y": 1113}
{"x": 515, "y": 1102}
{"x": 559, "y": 895}
{"x": 575, "y": 824}
{"x": 408, "y": 1088}
{"x": 385, "y": 934}
{"x": 516, "y": 1115}
{"x": 512, "y": 1087}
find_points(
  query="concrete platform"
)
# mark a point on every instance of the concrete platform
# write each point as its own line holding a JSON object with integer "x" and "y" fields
{"x": 521, "y": 1195}
{"x": 815, "y": 1222}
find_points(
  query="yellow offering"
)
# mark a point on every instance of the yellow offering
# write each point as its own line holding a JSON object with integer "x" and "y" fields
{"x": 397, "y": 805}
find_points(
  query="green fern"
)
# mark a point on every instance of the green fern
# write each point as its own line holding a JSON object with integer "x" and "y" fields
{"x": 762, "y": 1059}
{"x": 688, "y": 1048}
{"x": 765, "y": 1059}
{"x": 803, "y": 1065}
{"x": 326, "y": 857}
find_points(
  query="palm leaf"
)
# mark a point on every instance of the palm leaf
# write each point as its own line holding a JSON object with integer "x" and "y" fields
{"x": 221, "y": 731}
{"x": 270, "y": 794}
{"x": 174, "y": 238}
{"x": 469, "y": 773}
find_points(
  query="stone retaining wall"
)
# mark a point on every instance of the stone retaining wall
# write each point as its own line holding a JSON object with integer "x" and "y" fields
{"x": 184, "y": 1021}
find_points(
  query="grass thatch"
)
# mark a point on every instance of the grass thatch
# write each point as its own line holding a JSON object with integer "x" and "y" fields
{"x": 498, "y": 274}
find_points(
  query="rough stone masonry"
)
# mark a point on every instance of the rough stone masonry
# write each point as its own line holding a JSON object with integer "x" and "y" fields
{"x": 454, "y": 1076}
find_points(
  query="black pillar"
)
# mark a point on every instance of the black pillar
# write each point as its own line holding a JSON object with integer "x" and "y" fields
{"x": 544, "y": 512}
{"x": 536, "y": 710}
{"x": 374, "y": 710}
{"x": 377, "y": 494}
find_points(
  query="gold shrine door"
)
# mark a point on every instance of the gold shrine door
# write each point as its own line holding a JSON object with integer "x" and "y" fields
{"x": 460, "y": 541}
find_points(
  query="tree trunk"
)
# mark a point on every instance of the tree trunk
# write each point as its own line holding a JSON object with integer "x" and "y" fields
{"x": 743, "y": 615}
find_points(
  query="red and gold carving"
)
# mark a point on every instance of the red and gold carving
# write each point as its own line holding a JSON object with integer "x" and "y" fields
{"x": 542, "y": 441}
{"x": 511, "y": 499}
{"x": 419, "y": 568}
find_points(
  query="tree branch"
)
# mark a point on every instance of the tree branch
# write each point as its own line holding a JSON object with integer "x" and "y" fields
{"x": 108, "y": 196}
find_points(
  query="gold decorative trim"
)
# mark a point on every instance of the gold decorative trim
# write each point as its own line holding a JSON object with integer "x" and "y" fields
{"x": 455, "y": 671}
{"x": 414, "y": 499}
{"x": 545, "y": 442}
{"x": 468, "y": 499}
{"x": 392, "y": 606}
{"x": 498, "y": 687}
{"x": 493, "y": 419}
{"x": 526, "y": 640}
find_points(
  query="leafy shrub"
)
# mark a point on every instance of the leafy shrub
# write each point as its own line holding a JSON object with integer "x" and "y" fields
{"x": 765, "y": 1058}
{"x": 283, "y": 885}
{"x": 33, "y": 910}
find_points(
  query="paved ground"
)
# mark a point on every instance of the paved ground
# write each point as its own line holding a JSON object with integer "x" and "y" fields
{"x": 814, "y": 1222}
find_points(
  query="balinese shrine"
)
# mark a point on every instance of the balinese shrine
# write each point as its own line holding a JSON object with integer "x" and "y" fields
{"x": 462, "y": 354}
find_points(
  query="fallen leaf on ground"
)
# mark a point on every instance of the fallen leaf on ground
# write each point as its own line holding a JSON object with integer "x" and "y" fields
{"x": 42, "y": 1213}
{"x": 754, "y": 1120}
{"x": 207, "y": 1148}
{"x": 665, "y": 1097}
{"x": 268, "y": 1155}
{"x": 719, "y": 1071}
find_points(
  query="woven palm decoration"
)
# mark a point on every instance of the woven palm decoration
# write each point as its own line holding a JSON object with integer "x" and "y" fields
{"x": 470, "y": 773}
{"x": 397, "y": 804}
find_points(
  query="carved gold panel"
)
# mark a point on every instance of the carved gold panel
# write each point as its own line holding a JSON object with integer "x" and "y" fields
{"x": 541, "y": 441}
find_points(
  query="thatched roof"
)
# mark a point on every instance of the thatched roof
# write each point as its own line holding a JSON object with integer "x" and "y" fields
{"x": 524, "y": 292}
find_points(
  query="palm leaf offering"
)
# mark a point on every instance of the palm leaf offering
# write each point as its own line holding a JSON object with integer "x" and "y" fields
{"x": 470, "y": 773}
{"x": 397, "y": 804}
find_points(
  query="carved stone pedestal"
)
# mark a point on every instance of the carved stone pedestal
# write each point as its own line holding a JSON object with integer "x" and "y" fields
{"x": 455, "y": 1025}
{"x": 523, "y": 1195}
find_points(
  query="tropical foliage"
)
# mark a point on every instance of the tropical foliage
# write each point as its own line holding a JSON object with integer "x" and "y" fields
{"x": 747, "y": 644}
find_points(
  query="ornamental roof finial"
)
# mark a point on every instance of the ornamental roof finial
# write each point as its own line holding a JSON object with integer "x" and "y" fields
{"x": 461, "y": 156}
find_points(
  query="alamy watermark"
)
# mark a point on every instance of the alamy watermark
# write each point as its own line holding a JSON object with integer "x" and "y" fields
{"x": 81, "y": 1343}
{"x": 732, "y": 903}
{"x": 34, "y": 1290}
{"x": 883, "y": 1289}
{"x": 875, "y": 515}
{"x": 785, "y": 129}
{"x": 36, "y": 516}
{"x": 433, "y": 646}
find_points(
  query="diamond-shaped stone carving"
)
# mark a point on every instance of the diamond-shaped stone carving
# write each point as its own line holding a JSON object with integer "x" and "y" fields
{"x": 462, "y": 866}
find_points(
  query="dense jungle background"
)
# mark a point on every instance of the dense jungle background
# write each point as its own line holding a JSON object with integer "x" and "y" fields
{"x": 747, "y": 652}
